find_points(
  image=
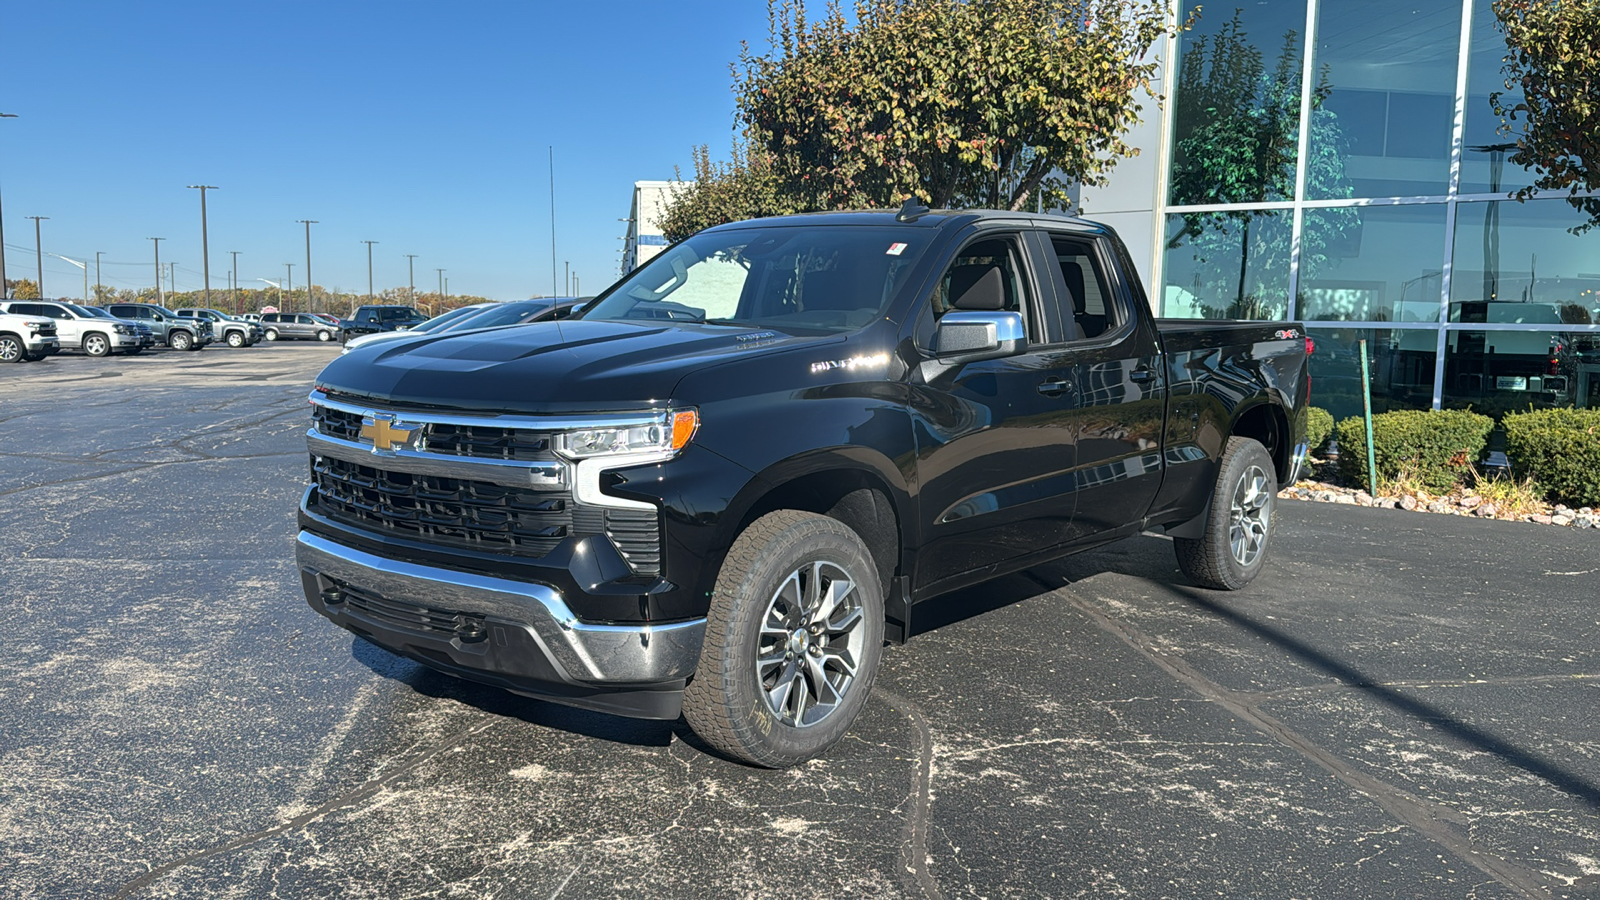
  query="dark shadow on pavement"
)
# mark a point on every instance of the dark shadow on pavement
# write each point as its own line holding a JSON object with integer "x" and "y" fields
{"x": 1141, "y": 557}
{"x": 498, "y": 702}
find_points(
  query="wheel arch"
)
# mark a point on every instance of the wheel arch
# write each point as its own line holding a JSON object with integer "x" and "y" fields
{"x": 1267, "y": 424}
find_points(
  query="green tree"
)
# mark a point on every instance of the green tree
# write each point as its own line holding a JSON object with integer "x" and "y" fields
{"x": 998, "y": 103}
{"x": 1553, "y": 59}
{"x": 745, "y": 187}
{"x": 23, "y": 289}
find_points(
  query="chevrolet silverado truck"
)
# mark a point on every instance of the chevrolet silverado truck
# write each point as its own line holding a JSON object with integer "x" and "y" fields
{"x": 719, "y": 491}
{"x": 27, "y": 338}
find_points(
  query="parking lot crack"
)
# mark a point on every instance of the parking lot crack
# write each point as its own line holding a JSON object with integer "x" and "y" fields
{"x": 1424, "y": 816}
{"x": 914, "y": 846}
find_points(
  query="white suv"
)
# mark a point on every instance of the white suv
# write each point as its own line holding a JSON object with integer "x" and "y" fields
{"x": 78, "y": 329}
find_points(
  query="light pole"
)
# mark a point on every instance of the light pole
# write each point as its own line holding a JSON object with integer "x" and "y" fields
{"x": 566, "y": 271}
{"x": 308, "y": 223}
{"x": 205, "y": 247}
{"x": 97, "y": 288}
{"x": 575, "y": 289}
{"x": 411, "y": 278}
{"x": 160, "y": 301}
{"x": 288, "y": 282}
{"x": 369, "y": 269}
{"x": 234, "y": 275}
{"x": 3, "y": 233}
{"x": 441, "y": 290}
{"x": 172, "y": 278}
{"x": 38, "y": 250}
{"x": 82, "y": 265}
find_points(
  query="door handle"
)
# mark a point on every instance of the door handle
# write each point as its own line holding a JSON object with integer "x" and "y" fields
{"x": 1053, "y": 386}
{"x": 1142, "y": 374}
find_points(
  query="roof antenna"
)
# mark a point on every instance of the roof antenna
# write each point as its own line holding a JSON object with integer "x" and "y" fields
{"x": 911, "y": 210}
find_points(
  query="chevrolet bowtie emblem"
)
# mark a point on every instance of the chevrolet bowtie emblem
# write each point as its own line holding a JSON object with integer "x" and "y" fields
{"x": 385, "y": 432}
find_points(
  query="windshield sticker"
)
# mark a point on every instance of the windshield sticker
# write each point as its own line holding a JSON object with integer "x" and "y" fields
{"x": 896, "y": 249}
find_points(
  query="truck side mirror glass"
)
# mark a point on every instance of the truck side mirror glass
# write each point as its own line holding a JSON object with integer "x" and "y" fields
{"x": 969, "y": 336}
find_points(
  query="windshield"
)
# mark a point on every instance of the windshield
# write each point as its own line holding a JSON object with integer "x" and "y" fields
{"x": 454, "y": 315}
{"x": 501, "y": 314}
{"x": 399, "y": 312}
{"x": 80, "y": 310}
{"x": 98, "y": 313}
{"x": 827, "y": 278}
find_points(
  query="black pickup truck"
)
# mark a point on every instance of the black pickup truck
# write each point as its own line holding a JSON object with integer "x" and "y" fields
{"x": 722, "y": 488}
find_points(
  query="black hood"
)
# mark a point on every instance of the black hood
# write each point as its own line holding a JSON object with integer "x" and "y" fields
{"x": 550, "y": 367}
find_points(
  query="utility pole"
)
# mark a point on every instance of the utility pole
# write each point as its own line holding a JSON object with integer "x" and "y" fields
{"x": 575, "y": 289}
{"x": 3, "y": 234}
{"x": 411, "y": 278}
{"x": 205, "y": 248}
{"x": 308, "y": 224}
{"x": 160, "y": 300}
{"x": 566, "y": 268}
{"x": 172, "y": 279}
{"x": 369, "y": 269}
{"x": 441, "y": 290}
{"x": 288, "y": 282}
{"x": 97, "y": 288}
{"x": 38, "y": 250}
{"x": 234, "y": 288}
{"x": 552, "y": 219}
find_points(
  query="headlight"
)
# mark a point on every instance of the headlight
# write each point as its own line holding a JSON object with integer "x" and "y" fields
{"x": 124, "y": 329}
{"x": 670, "y": 432}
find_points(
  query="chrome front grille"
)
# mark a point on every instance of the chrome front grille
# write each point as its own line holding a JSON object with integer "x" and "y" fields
{"x": 460, "y": 486}
{"x": 474, "y": 515}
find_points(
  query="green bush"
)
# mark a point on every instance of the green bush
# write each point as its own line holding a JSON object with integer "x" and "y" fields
{"x": 1319, "y": 425}
{"x": 1560, "y": 450}
{"x": 1434, "y": 447}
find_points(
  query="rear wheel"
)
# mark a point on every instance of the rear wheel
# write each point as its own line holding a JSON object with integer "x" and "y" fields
{"x": 1233, "y": 549}
{"x": 324, "y": 336}
{"x": 235, "y": 339}
{"x": 96, "y": 344}
{"x": 12, "y": 349}
{"x": 792, "y": 641}
{"x": 181, "y": 340}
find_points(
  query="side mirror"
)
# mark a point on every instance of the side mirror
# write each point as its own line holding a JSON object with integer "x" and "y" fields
{"x": 970, "y": 336}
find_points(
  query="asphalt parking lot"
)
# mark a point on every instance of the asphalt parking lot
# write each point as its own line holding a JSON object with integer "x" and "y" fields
{"x": 1402, "y": 706}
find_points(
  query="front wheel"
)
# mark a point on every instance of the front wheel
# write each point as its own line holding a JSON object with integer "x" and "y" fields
{"x": 272, "y": 334}
{"x": 180, "y": 340}
{"x": 97, "y": 345}
{"x": 1233, "y": 549}
{"x": 792, "y": 641}
{"x": 12, "y": 350}
{"x": 235, "y": 339}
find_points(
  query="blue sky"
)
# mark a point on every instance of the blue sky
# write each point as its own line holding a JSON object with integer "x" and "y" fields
{"x": 423, "y": 126}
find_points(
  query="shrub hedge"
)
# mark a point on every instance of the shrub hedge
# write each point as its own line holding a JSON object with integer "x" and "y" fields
{"x": 1319, "y": 426}
{"x": 1436, "y": 447}
{"x": 1559, "y": 449}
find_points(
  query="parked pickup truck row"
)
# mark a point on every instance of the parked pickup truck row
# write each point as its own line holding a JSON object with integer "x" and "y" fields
{"x": 722, "y": 487}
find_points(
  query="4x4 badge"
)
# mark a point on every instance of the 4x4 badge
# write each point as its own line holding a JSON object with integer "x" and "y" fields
{"x": 385, "y": 431}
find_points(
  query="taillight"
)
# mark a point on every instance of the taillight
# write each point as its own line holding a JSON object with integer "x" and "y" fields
{"x": 1311, "y": 346}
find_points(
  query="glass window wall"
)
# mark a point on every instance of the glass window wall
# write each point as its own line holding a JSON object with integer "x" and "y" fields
{"x": 1522, "y": 263}
{"x": 1228, "y": 265}
{"x": 1236, "y": 125}
{"x": 1484, "y": 151}
{"x": 1401, "y": 362}
{"x": 1384, "y": 99}
{"x": 1372, "y": 263}
{"x": 1496, "y": 372}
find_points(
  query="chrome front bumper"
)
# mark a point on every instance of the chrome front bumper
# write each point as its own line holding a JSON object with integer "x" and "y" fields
{"x": 516, "y": 613}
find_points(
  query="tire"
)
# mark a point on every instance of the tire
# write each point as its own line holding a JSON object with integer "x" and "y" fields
{"x": 236, "y": 339}
{"x": 180, "y": 340}
{"x": 96, "y": 344}
{"x": 774, "y": 581}
{"x": 12, "y": 350}
{"x": 1244, "y": 504}
{"x": 324, "y": 336}
{"x": 271, "y": 334}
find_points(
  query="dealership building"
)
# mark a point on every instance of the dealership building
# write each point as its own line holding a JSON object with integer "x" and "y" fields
{"x": 1339, "y": 162}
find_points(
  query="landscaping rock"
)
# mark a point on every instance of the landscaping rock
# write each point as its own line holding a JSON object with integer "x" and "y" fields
{"x": 1408, "y": 502}
{"x": 1540, "y": 520}
{"x": 1561, "y": 519}
{"x": 1487, "y": 511}
{"x": 1471, "y": 502}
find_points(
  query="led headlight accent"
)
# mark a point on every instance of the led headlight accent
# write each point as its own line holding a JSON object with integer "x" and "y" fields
{"x": 670, "y": 432}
